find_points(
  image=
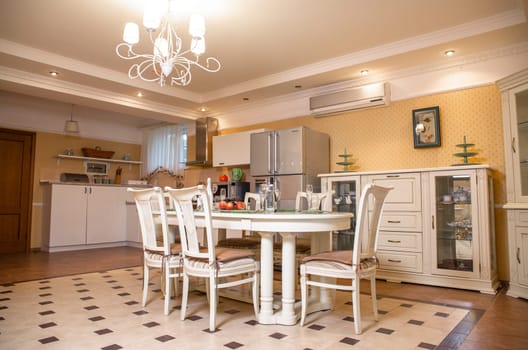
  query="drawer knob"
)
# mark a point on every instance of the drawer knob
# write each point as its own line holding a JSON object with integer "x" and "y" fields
{"x": 393, "y": 221}
{"x": 394, "y": 241}
{"x": 394, "y": 261}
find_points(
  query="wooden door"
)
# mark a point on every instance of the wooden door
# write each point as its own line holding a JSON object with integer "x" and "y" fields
{"x": 16, "y": 179}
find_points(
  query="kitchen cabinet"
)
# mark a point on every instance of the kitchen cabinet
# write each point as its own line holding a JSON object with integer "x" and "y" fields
{"x": 520, "y": 252}
{"x": 425, "y": 236}
{"x": 232, "y": 149}
{"x": 83, "y": 216}
{"x": 133, "y": 230}
{"x": 514, "y": 94}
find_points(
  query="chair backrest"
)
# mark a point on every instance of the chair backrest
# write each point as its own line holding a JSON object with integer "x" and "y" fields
{"x": 365, "y": 240}
{"x": 321, "y": 200}
{"x": 183, "y": 204}
{"x": 255, "y": 196}
{"x": 150, "y": 203}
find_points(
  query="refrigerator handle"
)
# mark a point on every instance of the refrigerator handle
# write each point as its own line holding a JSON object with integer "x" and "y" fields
{"x": 275, "y": 152}
{"x": 269, "y": 152}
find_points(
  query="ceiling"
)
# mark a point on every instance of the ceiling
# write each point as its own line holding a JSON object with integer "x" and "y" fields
{"x": 267, "y": 48}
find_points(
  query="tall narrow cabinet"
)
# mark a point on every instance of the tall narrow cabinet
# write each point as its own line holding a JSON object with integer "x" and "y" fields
{"x": 514, "y": 92}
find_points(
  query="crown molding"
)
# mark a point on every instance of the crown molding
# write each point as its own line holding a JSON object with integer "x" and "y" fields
{"x": 481, "y": 26}
{"x": 77, "y": 90}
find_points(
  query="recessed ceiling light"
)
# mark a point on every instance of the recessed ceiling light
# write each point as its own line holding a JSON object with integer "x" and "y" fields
{"x": 203, "y": 109}
{"x": 364, "y": 72}
{"x": 139, "y": 94}
{"x": 449, "y": 53}
{"x": 53, "y": 73}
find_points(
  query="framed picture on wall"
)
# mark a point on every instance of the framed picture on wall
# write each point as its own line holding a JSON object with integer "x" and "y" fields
{"x": 426, "y": 127}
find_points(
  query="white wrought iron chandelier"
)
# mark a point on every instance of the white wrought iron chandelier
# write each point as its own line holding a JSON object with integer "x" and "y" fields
{"x": 168, "y": 60}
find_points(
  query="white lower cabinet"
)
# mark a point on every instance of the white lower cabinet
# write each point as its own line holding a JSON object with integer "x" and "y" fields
{"x": 518, "y": 244}
{"x": 133, "y": 230}
{"x": 521, "y": 255}
{"x": 432, "y": 234}
{"x": 82, "y": 216}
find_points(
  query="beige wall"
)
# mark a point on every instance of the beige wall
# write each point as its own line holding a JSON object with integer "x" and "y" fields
{"x": 382, "y": 139}
{"x": 47, "y": 167}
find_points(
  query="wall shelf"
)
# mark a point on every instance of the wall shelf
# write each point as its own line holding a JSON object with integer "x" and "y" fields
{"x": 122, "y": 161}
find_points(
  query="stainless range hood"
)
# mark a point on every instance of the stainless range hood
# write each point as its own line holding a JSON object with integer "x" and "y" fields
{"x": 200, "y": 141}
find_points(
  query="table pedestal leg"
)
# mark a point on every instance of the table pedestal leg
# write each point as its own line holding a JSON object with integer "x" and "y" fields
{"x": 266, "y": 315}
{"x": 287, "y": 315}
{"x": 321, "y": 298}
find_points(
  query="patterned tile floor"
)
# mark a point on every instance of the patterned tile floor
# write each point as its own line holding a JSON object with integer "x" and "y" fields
{"x": 103, "y": 311}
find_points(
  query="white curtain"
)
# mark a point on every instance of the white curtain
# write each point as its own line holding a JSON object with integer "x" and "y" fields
{"x": 164, "y": 146}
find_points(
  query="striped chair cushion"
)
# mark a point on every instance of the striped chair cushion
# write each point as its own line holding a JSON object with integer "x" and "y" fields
{"x": 340, "y": 259}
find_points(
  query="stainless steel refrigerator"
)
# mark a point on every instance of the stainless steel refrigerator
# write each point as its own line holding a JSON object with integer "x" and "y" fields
{"x": 291, "y": 158}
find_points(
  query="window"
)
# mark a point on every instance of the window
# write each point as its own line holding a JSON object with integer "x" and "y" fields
{"x": 165, "y": 146}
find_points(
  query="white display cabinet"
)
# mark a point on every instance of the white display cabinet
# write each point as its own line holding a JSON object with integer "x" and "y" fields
{"x": 427, "y": 238}
{"x": 514, "y": 93}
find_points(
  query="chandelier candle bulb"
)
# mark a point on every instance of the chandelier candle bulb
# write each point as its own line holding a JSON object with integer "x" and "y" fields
{"x": 131, "y": 33}
{"x": 152, "y": 15}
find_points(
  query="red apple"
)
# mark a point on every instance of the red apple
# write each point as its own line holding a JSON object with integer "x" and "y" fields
{"x": 230, "y": 206}
{"x": 240, "y": 205}
{"x": 222, "y": 205}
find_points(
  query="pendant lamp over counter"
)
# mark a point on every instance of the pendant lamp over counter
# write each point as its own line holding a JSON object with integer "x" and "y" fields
{"x": 71, "y": 126}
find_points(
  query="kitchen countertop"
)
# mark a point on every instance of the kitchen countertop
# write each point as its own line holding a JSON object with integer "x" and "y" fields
{"x": 57, "y": 182}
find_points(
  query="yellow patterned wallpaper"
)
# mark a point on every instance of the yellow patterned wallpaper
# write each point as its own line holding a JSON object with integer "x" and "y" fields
{"x": 382, "y": 139}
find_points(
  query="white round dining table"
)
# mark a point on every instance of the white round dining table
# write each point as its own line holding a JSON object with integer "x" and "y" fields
{"x": 288, "y": 224}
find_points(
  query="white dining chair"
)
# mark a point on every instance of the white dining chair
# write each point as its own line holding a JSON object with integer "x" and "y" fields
{"x": 164, "y": 255}
{"x": 249, "y": 239}
{"x": 252, "y": 197}
{"x": 320, "y": 201}
{"x": 222, "y": 267}
{"x": 331, "y": 268}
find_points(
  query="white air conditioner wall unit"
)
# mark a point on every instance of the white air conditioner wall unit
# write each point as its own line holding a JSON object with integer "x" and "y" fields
{"x": 365, "y": 96}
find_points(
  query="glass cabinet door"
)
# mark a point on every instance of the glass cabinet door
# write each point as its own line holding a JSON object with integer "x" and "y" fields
{"x": 346, "y": 192}
{"x": 521, "y": 111}
{"x": 455, "y": 217}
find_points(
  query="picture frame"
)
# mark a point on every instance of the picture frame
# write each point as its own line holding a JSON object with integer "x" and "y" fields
{"x": 426, "y": 127}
